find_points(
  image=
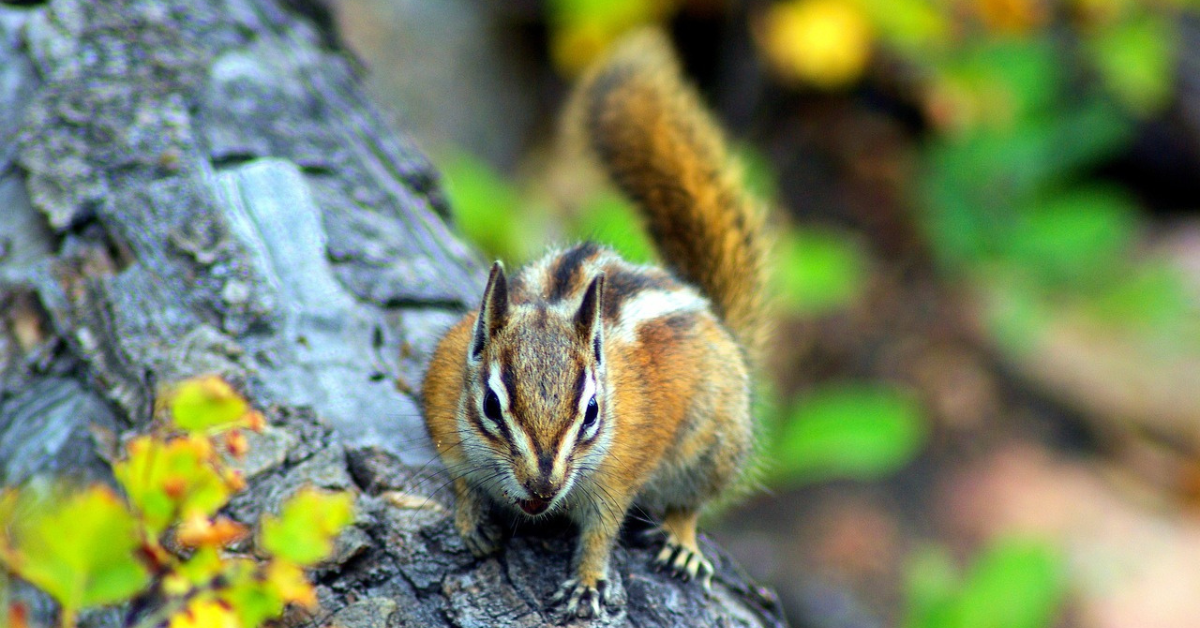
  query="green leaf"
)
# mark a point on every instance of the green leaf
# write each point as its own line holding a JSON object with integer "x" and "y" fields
{"x": 79, "y": 547}
{"x": 976, "y": 188}
{"x": 206, "y": 403}
{"x": 253, "y": 598}
{"x": 167, "y": 480}
{"x": 610, "y": 220}
{"x": 818, "y": 271}
{"x": 849, "y": 430}
{"x": 1136, "y": 59}
{"x": 307, "y": 525}
{"x": 1076, "y": 236}
{"x": 1015, "y": 584}
{"x": 1003, "y": 82}
{"x": 1015, "y": 314}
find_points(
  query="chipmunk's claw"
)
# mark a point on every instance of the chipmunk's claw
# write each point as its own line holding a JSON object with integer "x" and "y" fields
{"x": 583, "y": 600}
{"x": 685, "y": 562}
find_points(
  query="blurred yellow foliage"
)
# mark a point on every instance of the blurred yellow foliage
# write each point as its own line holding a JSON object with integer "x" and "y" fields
{"x": 291, "y": 584}
{"x": 1091, "y": 13}
{"x": 826, "y": 43}
{"x": 206, "y": 614}
{"x": 1016, "y": 17}
{"x": 583, "y": 29}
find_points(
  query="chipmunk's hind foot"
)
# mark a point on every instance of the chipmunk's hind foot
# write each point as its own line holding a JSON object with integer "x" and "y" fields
{"x": 680, "y": 554}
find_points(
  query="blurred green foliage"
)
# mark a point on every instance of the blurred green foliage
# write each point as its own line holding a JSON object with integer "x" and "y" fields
{"x": 860, "y": 431}
{"x": 1009, "y": 203}
{"x": 817, "y": 271}
{"x": 1013, "y": 583}
{"x": 487, "y": 207}
{"x": 610, "y": 219}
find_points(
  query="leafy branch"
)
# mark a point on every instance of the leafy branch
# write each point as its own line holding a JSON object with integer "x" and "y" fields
{"x": 161, "y": 538}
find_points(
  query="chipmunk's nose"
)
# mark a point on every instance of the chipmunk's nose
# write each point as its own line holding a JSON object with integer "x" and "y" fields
{"x": 541, "y": 491}
{"x": 541, "y": 487}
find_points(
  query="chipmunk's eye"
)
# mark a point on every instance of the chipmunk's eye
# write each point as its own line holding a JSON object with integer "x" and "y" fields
{"x": 589, "y": 415}
{"x": 491, "y": 406}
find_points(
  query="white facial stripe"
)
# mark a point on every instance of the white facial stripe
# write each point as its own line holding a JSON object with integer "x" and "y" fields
{"x": 567, "y": 444}
{"x": 520, "y": 438}
{"x": 497, "y": 385}
{"x": 651, "y": 304}
{"x": 589, "y": 389}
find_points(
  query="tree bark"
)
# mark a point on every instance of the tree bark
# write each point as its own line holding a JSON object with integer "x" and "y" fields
{"x": 202, "y": 187}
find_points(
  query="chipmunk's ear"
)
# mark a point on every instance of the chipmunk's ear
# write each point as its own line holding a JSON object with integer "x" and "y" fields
{"x": 492, "y": 311}
{"x": 587, "y": 320}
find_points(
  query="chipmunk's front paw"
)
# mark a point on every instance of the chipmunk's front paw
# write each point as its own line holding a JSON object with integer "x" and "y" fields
{"x": 584, "y": 600}
{"x": 685, "y": 562}
{"x": 482, "y": 538}
{"x": 479, "y": 533}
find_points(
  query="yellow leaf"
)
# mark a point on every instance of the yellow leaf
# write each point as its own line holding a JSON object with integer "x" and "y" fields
{"x": 206, "y": 614}
{"x": 207, "y": 403}
{"x": 291, "y": 585}
{"x": 826, "y": 43}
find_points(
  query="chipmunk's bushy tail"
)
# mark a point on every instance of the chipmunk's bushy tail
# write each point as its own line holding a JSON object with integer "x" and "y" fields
{"x": 657, "y": 142}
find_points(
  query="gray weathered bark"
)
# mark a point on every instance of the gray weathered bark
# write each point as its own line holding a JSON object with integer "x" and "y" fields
{"x": 196, "y": 187}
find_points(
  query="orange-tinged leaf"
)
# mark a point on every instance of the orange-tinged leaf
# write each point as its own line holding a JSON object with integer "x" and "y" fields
{"x": 255, "y": 421}
{"x": 78, "y": 546}
{"x": 236, "y": 443}
{"x": 307, "y": 525}
{"x": 18, "y": 615}
{"x": 235, "y": 480}
{"x": 200, "y": 531}
{"x": 207, "y": 403}
{"x": 291, "y": 585}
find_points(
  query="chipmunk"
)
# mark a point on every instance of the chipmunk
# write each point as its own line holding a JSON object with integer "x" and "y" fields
{"x": 586, "y": 384}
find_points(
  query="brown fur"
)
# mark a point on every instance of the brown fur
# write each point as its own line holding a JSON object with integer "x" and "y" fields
{"x": 507, "y": 401}
{"x": 652, "y": 135}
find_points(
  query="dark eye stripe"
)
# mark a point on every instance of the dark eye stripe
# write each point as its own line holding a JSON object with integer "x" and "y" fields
{"x": 474, "y": 416}
{"x": 507, "y": 379}
{"x": 580, "y": 381}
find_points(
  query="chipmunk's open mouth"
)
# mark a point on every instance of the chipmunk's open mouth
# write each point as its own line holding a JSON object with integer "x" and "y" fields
{"x": 533, "y": 506}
